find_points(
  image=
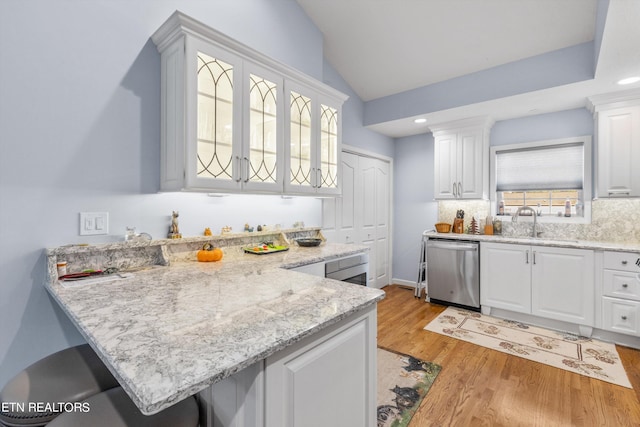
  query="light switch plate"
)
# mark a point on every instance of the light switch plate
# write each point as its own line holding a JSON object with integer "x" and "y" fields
{"x": 94, "y": 223}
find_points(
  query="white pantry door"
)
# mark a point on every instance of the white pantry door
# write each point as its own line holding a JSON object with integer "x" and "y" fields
{"x": 362, "y": 214}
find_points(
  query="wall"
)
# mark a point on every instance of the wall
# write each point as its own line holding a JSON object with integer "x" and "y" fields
{"x": 80, "y": 130}
{"x": 354, "y": 134}
{"x": 414, "y": 208}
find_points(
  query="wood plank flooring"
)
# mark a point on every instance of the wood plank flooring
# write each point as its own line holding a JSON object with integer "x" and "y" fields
{"x": 483, "y": 387}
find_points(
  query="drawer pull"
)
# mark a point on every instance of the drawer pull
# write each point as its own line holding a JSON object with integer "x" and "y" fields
{"x": 624, "y": 317}
{"x": 624, "y": 262}
{"x": 625, "y": 285}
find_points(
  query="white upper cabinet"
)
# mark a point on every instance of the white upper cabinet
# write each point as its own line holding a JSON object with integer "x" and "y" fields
{"x": 312, "y": 156}
{"x": 227, "y": 120}
{"x": 618, "y": 144}
{"x": 461, "y": 159}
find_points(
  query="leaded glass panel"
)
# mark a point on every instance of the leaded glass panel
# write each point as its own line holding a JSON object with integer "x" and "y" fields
{"x": 262, "y": 129}
{"x": 215, "y": 118}
{"x": 328, "y": 146}
{"x": 300, "y": 139}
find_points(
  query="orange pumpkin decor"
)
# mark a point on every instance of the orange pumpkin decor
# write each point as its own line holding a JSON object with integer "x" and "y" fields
{"x": 209, "y": 254}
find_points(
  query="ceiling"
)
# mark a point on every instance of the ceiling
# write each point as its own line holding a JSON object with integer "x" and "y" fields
{"x": 385, "y": 47}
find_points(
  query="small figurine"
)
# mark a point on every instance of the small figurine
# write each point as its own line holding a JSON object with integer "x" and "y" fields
{"x": 248, "y": 228}
{"x": 259, "y": 228}
{"x": 226, "y": 229}
{"x": 207, "y": 231}
{"x": 174, "y": 232}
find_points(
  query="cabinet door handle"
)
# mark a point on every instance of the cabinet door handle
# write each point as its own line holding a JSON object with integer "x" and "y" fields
{"x": 534, "y": 257}
{"x": 454, "y": 190}
{"x": 239, "y": 166}
{"x": 624, "y": 317}
{"x": 614, "y": 192}
{"x": 313, "y": 178}
{"x": 527, "y": 257}
{"x": 246, "y": 178}
{"x": 459, "y": 189}
{"x": 625, "y": 285}
{"x": 319, "y": 178}
{"x": 624, "y": 262}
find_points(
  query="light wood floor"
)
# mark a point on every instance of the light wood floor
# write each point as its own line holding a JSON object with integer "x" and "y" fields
{"x": 482, "y": 387}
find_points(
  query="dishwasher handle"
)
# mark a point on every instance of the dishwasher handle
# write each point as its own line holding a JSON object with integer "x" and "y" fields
{"x": 453, "y": 246}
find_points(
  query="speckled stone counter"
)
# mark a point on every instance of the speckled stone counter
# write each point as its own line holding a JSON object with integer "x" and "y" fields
{"x": 578, "y": 244}
{"x": 170, "y": 331}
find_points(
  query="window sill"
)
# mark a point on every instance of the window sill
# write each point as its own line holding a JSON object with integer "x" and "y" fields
{"x": 549, "y": 219}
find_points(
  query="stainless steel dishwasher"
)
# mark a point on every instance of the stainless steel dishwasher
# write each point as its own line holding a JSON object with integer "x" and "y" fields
{"x": 453, "y": 273}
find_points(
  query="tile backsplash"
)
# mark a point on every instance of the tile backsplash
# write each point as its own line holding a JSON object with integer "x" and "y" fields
{"x": 612, "y": 220}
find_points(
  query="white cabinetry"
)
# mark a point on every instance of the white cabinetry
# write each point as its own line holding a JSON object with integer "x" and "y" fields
{"x": 563, "y": 284}
{"x": 312, "y": 127}
{"x": 550, "y": 282}
{"x": 621, "y": 293}
{"x": 223, "y": 113}
{"x": 329, "y": 381}
{"x": 618, "y": 144}
{"x": 326, "y": 379}
{"x": 461, "y": 159}
{"x": 505, "y": 277}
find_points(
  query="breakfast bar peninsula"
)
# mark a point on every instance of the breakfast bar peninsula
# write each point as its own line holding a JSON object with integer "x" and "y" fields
{"x": 245, "y": 333}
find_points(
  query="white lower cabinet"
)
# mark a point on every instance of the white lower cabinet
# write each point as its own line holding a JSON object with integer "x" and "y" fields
{"x": 621, "y": 292}
{"x": 621, "y": 316}
{"x": 551, "y": 282}
{"x": 329, "y": 381}
{"x": 326, "y": 379}
{"x": 563, "y": 284}
{"x": 505, "y": 277}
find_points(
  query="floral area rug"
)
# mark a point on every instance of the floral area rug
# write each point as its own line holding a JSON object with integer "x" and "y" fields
{"x": 582, "y": 355}
{"x": 403, "y": 381}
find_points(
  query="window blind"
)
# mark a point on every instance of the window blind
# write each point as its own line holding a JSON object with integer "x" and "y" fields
{"x": 554, "y": 167}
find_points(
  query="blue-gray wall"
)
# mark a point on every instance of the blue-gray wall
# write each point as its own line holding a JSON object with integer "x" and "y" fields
{"x": 414, "y": 209}
{"x": 80, "y": 131}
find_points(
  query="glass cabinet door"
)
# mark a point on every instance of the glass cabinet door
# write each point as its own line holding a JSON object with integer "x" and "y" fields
{"x": 328, "y": 147}
{"x": 263, "y": 137}
{"x": 300, "y": 156}
{"x": 215, "y": 116}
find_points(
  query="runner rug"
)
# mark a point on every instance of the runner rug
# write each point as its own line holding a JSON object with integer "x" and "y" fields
{"x": 585, "y": 356}
{"x": 403, "y": 381}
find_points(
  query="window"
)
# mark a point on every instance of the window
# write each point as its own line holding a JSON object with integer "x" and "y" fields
{"x": 543, "y": 175}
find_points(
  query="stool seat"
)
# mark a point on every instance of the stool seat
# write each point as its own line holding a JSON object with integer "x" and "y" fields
{"x": 70, "y": 375}
{"x": 113, "y": 408}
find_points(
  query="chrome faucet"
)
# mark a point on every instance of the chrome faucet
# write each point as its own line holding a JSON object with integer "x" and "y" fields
{"x": 514, "y": 218}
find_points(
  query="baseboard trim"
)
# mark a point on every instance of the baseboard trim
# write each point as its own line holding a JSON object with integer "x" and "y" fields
{"x": 403, "y": 283}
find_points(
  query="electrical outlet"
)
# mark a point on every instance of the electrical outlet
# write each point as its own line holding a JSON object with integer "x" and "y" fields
{"x": 94, "y": 223}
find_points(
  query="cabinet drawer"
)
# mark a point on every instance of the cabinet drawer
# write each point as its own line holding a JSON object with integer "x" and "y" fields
{"x": 621, "y": 284}
{"x": 621, "y": 315}
{"x": 626, "y": 261}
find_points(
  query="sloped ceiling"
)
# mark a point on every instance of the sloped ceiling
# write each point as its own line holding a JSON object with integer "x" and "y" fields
{"x": 397, "y": 53}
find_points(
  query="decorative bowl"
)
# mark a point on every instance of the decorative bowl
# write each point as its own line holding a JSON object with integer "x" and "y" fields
{"x": 309, "y": 241}
{"x": 443, "y": 227}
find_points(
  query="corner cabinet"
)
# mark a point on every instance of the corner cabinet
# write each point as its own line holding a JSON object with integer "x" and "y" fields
{"x": 461, "y": 159}
{"x": 227, "y": 118}
{"x": 617, "y": 119}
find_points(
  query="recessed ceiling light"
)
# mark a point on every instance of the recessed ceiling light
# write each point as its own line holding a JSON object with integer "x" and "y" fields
{"x": 629, "y": 80}
{"x": 420, "y": 120}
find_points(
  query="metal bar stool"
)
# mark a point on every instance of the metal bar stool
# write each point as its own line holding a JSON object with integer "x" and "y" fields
{"x": 70, "y": 375}
{"x": 113, "y": 408}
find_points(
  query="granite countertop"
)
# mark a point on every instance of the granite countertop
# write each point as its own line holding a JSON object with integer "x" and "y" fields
{"x": 168, "y": 332}
{"x": 577, "y": 244}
